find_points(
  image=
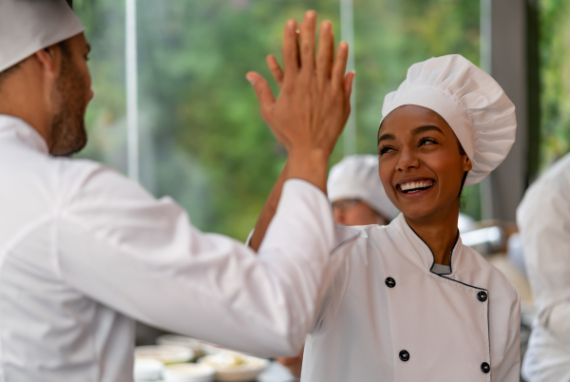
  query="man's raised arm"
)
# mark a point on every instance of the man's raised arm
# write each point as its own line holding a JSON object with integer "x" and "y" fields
{"x": 312, "y": 108}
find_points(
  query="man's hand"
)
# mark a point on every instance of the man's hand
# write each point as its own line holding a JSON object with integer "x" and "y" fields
{"x": 314, "y": 101}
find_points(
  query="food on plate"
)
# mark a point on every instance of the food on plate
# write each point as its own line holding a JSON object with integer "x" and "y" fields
{"x": 166, "y": 354}
{"x": 233, "y": 366}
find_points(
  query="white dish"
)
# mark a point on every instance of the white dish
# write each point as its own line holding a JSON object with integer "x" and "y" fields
{"x": 189, "y": 372}
{"x": 175, "y": 340}
{"x": 235, "y": 367}
{"x": 166, "y": 354}
{"x": 148, "y": 369}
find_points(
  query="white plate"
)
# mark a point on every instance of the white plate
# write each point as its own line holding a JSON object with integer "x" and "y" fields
{"x": 223, "y": 361}
{"x": 148, "y": 369}
{"x": 166, "y": 354}
{"x": 189, "y": 372}
{"x": 175, "y": 340}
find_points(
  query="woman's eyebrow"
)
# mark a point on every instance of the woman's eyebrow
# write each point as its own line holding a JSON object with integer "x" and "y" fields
{"x": 423, "y": 129}
{"x": 385, "y": 137}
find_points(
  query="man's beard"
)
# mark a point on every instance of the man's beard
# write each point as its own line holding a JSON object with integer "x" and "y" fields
{"x": 68, "y": 135}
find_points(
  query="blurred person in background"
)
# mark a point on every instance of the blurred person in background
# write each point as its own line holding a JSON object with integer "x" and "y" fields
{"x": 85, "y": 251}
{"x": 543, "y": 218}
{"x": 357, "y": 194}
{"x": 411, "y": 302}
{"x": 358, "y": 198}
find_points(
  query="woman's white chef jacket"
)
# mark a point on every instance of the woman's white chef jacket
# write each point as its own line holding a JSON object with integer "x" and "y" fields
{"x": 543, "y": 218}
{"x": 84, "y": 251}
{"x": 386, "y": 317}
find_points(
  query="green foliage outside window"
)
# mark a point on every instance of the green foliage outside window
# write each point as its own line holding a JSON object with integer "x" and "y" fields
{"x": 202, "y": 139}
{"x": 555, "y": 78}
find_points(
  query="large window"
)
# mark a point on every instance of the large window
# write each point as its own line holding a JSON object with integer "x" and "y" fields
{"x": 555, "y": 78}
{"x": 201, "y": 138}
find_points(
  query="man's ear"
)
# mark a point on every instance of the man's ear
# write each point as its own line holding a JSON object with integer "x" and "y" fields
{"x": 50, "y": 59}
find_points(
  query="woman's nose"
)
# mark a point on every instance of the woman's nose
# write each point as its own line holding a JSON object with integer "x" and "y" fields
{"x": 407, "y": 161}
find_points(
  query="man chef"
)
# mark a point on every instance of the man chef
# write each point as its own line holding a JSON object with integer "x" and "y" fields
{"x": 543, "y": 218}
{"x": 84, "y": 251}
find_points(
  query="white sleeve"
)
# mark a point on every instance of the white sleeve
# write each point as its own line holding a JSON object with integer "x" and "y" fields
{"x": 143, "y": 258}
{"x": 559, "y": 321}
{"x": 544, "y": 221}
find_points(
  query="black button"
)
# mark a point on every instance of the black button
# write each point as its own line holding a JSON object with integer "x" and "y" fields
{"x": 485, "y": 368}
{"x": 404, "y": 356}
{"x": 482, "y": 296}
{"x": 390, "y": 282}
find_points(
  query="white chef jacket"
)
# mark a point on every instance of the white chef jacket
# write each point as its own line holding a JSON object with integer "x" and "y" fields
{"x": 543, "y": 218}
{"x": 386, "y": 317}
{"x": 84, "y": 251}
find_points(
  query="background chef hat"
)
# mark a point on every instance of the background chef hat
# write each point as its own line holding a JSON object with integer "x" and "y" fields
{"x": 471, "y": 102}
{"x": 27, "y": 26}
{"x": 356, "y": 177}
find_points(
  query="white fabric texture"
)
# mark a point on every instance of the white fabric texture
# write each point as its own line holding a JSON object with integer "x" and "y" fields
{"x": 84, "y": 251}
{"x": 448, "y": 332}
{"x": 471, "y": 102}
{"x": 27, "y": 26}
{"x": 543, "y": 218}
{"x": 356, "y": 177}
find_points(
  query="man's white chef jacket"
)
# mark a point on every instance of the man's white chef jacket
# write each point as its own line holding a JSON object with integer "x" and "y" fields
{"x": 84, "y": 251}
{"x": 543, "y": 218}
{"x": 387, "y": 317}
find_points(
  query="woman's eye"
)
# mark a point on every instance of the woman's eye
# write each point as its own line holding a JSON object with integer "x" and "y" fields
{"x": 427, "y": 141}
{"x": 384, "y": 150}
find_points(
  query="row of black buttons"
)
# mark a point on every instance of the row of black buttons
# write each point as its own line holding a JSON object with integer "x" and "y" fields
{"x": 391, "y": 283}
{"x": 405, "y": 355}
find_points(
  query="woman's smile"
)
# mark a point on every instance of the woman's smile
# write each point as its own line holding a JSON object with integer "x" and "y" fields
{"x": 414, "y": 186}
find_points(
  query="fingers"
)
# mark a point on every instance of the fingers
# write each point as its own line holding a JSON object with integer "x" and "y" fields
{"x": 326, "y": 52}
{"x": 290, "y": 47}
{"x": 275, "y": 69}
{"x": 348, "y": 84}
{"x": 308, "y": 42}
{"x": 263, "y": 92}
{"x": 339, "y": 67}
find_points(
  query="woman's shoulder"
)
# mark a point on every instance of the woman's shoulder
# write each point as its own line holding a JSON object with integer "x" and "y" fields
{"x": 477, "y": 270}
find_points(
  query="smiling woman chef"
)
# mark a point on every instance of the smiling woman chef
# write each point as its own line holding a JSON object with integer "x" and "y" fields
{"x": 411, "y": 302}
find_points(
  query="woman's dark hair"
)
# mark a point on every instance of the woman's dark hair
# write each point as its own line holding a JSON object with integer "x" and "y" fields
{"x": 461, "y": 201}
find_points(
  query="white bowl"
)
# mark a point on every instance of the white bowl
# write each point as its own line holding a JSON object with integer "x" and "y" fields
{"x": 175, "y": 340}
{"x": 148, "y": 369}
{"x": 166, "y": 354}
{"x": 235, "y": 367}
{"x": 189, "y": 372}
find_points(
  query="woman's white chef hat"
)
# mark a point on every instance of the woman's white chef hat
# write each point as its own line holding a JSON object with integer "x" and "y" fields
{"x": 27, "y": 26}
{"x": 356, "y": 177}
{"x": 471, "y": 102}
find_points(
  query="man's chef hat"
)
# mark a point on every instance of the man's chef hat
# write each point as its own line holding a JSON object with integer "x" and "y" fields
{"x": 27, "y": 26}
{"x": 471, "y": 102}
{"x": 356, "y": 177}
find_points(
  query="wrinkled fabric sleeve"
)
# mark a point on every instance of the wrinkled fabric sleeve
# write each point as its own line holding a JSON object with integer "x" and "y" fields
{"x": 142, "y": 257}
{"x": 544, "y": 221}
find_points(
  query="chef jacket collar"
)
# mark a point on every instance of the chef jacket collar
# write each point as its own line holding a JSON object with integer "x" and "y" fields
{"x": 419, "y": 246}
{"x": 12, "y": 126}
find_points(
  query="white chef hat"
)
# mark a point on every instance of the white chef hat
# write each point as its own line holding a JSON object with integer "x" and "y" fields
{"x": 471, "y": 102}
{"x": 27, "y": 26}
{"x": 356, "y": 177}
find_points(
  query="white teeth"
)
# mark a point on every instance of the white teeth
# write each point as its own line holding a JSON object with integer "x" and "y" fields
{"x": 413, "y": 185}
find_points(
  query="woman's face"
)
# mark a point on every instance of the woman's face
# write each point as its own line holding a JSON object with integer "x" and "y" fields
{"x": 420, "y": 161}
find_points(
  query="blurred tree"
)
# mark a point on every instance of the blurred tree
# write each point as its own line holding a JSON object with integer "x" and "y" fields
{"x": 555, "y": 76}
{"x": 202, "y": 139}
